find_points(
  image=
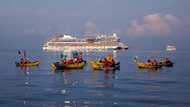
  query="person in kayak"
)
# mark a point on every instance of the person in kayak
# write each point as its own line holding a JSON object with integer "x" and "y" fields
{"x": 155, "y": 62}
{"x": 79, "y": 59}
{"x": 107, "y": 63}
{"x": 167, "y": 60}
{"x": 149, "y": 62}
{"x": 152, "y": 62}
{"x": 113, "y": 63}
{"x": 24, "y": 61}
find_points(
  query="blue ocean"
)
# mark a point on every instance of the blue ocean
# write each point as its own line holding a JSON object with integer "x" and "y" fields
{"x": 129, "y": 86}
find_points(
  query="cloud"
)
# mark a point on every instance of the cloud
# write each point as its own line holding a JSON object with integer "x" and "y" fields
{"x": 154, "y": 24}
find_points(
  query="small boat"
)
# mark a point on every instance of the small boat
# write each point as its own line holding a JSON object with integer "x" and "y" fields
{"x": 108, "y": 63}
{"x": 147, "y": 66}
{"x": 31, "y": 64}
{"x": 24, "y": 61}
{"x": 170, "y": 48}
{"x": 76, "y": 62}
{"x": 60, "y": 66}
{"x": 97, "y": 65}
{"x": 143, "y": 65}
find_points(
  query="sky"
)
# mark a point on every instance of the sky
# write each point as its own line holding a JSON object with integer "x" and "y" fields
{"x": 143, "y": 24}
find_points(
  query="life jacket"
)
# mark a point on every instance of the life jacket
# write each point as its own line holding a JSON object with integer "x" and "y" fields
{"x": 25, "y": 62}
{"x": 21, "y": 62}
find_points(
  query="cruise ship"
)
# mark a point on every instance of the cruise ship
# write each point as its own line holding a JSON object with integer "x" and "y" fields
{"x": 69, "y": 42}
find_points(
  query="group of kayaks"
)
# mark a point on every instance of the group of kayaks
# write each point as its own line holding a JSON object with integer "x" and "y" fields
{"x": 153, "y": 64}
{"x": 108, "y": 63}
{"x": 77, "y": 62}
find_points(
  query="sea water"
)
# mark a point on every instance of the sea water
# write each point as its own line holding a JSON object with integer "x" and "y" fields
{"x": 129, "y": 86}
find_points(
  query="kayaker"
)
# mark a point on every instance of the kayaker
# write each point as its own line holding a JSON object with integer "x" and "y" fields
{"x": 79, "y": 58}
{"x": 149, "y": 62}
{"x": 113, "y": 63}
{"x": 167, "y": 60}
{"x": 152, "y": 62}
{"x": 75, "y": 54}
{"x": 107, "y": 63}
{"x": 71, "y": 61}
{"x": 24, "y": 61}
{"x": 62, "y": 56}
{"x": 21, "y": 61}
{"x": 67, "y": 62}
{"x": 155, "y": 62}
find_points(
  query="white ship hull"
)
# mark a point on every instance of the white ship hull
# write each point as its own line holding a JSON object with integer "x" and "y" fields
{"x": 92, "y": 48}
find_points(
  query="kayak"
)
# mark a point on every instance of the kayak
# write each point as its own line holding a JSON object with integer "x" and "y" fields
{"x": 142, "y": 65}
{"x": 59, "y": 66}
{"x": 75, "y": 65}
{"x": 96, "y": 65}
{"x": 146, "y": 66}
{"x": 31, "y": 64}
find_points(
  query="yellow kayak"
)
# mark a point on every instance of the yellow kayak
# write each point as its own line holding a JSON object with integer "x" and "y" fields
{"x": 58, "y": 66}
{"x": 95, "y": 65}
{"x": 31, "y": 64}
{"x": 75, "y": 65}
{"x": 142, "y": 65}
{"x": 147, "y": 66}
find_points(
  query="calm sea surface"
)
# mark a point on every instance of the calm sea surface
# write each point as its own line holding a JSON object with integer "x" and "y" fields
{"x": 40, "y": 87}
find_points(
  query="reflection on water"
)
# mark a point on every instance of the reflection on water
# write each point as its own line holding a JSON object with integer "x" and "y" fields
{"x": 27, "y": 69}
{"x": 128, "y": 86}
